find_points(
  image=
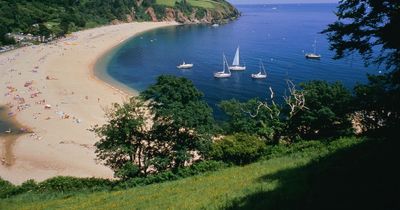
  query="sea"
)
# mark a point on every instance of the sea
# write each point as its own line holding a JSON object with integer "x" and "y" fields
{"x": 277, "y": 35}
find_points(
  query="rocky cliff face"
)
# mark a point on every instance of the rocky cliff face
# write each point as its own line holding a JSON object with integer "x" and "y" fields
{"x": 195, "y": 16}
{"x": 224, "y": 12}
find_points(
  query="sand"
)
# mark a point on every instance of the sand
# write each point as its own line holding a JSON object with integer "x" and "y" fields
{"x": 51, "y": 89}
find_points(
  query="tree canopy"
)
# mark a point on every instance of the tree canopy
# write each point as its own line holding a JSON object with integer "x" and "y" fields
{"x": 371, "y": 28}
{"x": 168, "y": 126}
{"x": 327, "y": 113}
{"x": 182, "y": 119}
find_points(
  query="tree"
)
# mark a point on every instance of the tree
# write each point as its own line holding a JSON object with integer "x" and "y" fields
{"x": 327, "y": 113}
{"x": 182, "y": 120}
{"x": 365, "y": 26}
{"x": 266, "y": 119}
{"x": 124, "y": 143}
{"x": 254, "y": 117}
{"x": 377, "y": 105}
{"x": 371, "y": 28}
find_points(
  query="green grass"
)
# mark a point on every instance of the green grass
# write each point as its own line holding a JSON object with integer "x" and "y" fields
{"x": 206, "y": 4}
{"x": 235, "y": 187}
{"x": 169, "y": 3}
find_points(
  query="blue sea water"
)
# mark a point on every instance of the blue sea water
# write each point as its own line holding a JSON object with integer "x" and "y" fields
{"x": 280, "y": 35}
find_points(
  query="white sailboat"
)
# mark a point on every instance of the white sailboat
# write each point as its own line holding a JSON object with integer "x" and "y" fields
{"x": 223, "y": 73}
{"x": 185, "y": 65}
{"x": 236, "y": 62}
{"x": 261, "y": 74}
{"x": 313, "y": 55}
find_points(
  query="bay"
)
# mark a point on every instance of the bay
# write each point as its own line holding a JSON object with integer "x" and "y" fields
{"x": 279, "y": 35}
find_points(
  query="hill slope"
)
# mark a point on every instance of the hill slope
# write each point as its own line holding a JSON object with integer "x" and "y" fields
{"x": 315, "y": 176}
{"x": 57, "y": 17}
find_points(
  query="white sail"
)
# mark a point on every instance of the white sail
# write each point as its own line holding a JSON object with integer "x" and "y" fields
{"x": 236, "y": 64}
{"x": 236, "y": 59}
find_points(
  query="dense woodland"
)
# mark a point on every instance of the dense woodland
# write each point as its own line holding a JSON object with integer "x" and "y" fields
{"x": 307, "y": 144}
{"x": 59, "y": 17}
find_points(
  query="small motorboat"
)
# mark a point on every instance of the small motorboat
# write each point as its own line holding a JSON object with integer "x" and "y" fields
{"x": 185, "y": 65}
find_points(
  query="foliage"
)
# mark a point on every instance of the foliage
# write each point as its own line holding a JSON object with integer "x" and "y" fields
{"x": 167, "y": 133}
{"x": 252, "y": 117}
{"x": 238, "y": 120}
{"x": 124, "y": 139}
{"x": 195, "y": 169}
{"x": 218, "y": 189}
{"x": 6, "y": 188}
{"x": 182, "y": 120}
{"x": 370, "y": 28}
{"x": 238, "y": 149}
{"x": 327, "y": 113}
{"x": 67, "y": 16}
{"x": 74, "y": 185}
{"x": 377, "y": 105}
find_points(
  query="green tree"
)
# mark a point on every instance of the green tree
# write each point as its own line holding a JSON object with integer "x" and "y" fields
{"x": 124, "y": 143}
{"x": 371, "y": 28}
{"x": 327, "y": 113}
{"x": 182, "y": 120}
{"x": 254, "y": 117}
{"x": 377, "y": 105}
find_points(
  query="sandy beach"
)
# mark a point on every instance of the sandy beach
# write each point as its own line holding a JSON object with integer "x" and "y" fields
{"x": 51, "y": 89}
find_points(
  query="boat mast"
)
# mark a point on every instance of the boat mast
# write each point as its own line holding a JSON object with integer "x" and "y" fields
{"x": 227, "y": 65}
{"x": 315, "y": 46}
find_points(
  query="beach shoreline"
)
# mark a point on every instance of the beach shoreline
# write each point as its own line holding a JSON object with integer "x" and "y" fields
{"x": 54, "y": 90}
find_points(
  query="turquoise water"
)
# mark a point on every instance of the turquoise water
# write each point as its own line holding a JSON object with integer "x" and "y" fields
{"x": 280, "y": 37}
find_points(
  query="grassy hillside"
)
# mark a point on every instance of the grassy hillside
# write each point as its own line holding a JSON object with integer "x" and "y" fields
{"x": 315, "y": 176}
{"x": 206, "y": 4}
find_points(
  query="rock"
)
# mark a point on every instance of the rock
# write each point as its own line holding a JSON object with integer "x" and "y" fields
{"x": 116, "y": 22}
{"x": 182, "y": 18}
{"x": 150, "y": 11}
{"x": 169, "y": 14}
{"x": 129, "y": 18}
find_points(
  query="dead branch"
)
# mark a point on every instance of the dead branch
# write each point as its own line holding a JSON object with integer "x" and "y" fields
{"x": 296, "y": 99}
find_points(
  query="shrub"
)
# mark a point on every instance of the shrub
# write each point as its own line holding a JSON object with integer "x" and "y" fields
{"x": 6, "y": 189}
{"x": 128, "y": 170}
{"x": 65, "y": 184}
{"x": 238, "y": 149}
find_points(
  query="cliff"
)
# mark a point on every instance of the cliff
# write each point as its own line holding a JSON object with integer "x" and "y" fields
{"x": 52, "y": 18}
{"x": 192, "y": 11}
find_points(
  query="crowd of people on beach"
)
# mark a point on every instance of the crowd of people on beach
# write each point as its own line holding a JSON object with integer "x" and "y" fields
{"x": 20, "y": 98}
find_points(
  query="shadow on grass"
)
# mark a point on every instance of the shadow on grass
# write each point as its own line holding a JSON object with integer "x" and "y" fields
{"x": 365, "y": 176}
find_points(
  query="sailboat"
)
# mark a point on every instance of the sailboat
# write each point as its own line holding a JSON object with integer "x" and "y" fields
{"x": 223, "y": 73}
{"x": 313, "y": 55}
{"x": 236, "y": 62}
{"x": 185, "y": 65}
{"x": 261, "y": 74}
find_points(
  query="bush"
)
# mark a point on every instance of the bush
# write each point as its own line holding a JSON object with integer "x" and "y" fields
{"x": 65, "y": 184}
{"x": 238, "y": 149}
{"x": 6, "y": 189}
{"x": 195, "y": 169}
{"x": 128, "y": 170}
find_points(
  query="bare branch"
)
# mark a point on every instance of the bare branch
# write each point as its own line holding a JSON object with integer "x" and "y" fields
{"x": 296, "y": 100}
